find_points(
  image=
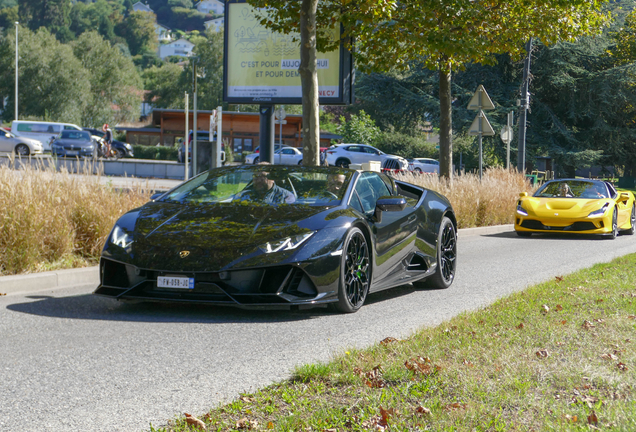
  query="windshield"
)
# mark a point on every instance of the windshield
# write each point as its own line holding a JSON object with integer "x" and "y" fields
{"x": 78, "y": 135}
{"x": 264, "y": 184}
{"x": 573, "y": 189}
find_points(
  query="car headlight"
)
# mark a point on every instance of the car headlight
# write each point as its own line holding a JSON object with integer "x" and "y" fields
{"x": 521, "y": 210}
{"x": 128, "y": 146}
{"x": 287, "y": 243}
{"x": 599, "y": 212}
{"x": 120, "y": 237}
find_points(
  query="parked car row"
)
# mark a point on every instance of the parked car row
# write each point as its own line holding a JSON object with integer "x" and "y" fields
{"x": 21, "y": 146}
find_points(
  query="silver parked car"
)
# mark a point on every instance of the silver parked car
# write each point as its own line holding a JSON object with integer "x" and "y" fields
{"x": 343, "y": 155}
{"x": 424, "y": 165}
{"x": 19, "y": 145}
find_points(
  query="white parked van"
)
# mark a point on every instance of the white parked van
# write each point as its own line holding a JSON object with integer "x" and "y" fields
{"x": 40, "y": 130}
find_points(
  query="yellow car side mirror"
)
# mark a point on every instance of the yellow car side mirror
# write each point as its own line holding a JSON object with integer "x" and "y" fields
{"x": 523, "y": 194}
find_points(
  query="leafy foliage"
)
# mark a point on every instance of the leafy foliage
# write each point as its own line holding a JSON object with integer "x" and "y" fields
{"x": 359, "y": 129}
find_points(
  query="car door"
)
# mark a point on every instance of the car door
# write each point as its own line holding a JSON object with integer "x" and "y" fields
{"x": 622, "y": 201}
{"x": 6, "y": 142}
{"x": 354, "y": 154}
{"x": 371, "y": 154}
{"x": 394, "y": 233}
{"x": 287, "y": 156}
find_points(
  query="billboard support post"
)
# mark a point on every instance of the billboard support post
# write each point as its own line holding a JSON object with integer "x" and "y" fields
{"x": 266, "y": 135}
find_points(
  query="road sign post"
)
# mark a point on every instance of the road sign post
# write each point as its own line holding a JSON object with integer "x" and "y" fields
{"x": 507, "y": 135}
{"x": 481, "y": 126}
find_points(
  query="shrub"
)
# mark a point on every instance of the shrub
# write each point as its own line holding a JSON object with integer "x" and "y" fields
{"x": 491, "y": 201}
{"x": 406, "y": 146}
{"x": 155, "y": 152}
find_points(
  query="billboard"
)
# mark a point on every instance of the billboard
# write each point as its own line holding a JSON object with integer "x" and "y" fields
{"x": 261, "y": 66}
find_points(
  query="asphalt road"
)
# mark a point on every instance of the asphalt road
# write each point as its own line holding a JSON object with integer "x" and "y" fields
{"x": 71, "y": 361}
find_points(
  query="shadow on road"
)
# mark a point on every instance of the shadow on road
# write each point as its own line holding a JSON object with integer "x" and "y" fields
{"x": 90, "y": 307}
{"x": 548, "y": 236}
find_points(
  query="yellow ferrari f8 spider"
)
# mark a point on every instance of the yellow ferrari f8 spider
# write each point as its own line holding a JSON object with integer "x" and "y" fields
{"x": 578, "y": 206}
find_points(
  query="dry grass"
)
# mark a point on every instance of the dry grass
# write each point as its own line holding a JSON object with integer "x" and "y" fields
{"x": 489, "y": 202}
{"x": 52, "y": 220}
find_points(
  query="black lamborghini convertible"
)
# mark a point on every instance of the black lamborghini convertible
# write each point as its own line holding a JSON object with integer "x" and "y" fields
{"x": 271, "y": 236}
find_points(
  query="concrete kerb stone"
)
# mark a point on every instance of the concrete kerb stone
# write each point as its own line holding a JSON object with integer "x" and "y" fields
{"x": 20, "y": 284}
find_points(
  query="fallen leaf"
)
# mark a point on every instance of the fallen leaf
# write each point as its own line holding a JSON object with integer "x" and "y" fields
{"x": 573, "y": 418}
{"x": 191, "y": 420}
{"x": 454, "y": 406}
{"x": 622, "y": 366}
{"x": 632, "y": 317}
{"x": 599, "y": 300}
{"x": 520, "y": 326}
{"x": 388, "y": 340}
{"x": 468, "y": 363}
{"x": 543, "y": 353}
{"x": 422, "y": 366}
{"x": 589, "y": 400}
{"x": 270, "y": 425}
{"x": 422, "y": 410}
{"x": 246, "y": 424}
{"x": 545, "y": 309}
{"x": 592, "y": 419}
{"x": 559, "y": 278}
{"x": 609, "y": 356}
{"x": 3, "y": 294}
{"x": 558, "y": 308}
{"x": 385, "y": 414}
{"x": 374, "y": 379}
{"x": 564, "y": 322}
{"x": 247, "y": 399}
{"x": 599, "y": 320}
{"x": 588, "y": 325}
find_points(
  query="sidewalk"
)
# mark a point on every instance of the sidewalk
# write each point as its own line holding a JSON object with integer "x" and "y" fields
{"x": 20, "y": 284}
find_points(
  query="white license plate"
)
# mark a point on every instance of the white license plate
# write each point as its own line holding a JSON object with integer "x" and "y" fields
{"x": 175, "y": 282}
{"x": 71, "y": 153}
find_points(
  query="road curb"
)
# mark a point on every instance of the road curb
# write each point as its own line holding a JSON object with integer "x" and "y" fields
{"x": 20, "y": 284}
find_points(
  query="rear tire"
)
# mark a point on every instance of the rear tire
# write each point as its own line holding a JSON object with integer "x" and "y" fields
{"x": 355, "y": 273}
{"x": 256, "y": 160}
{"x": 342, "y": 163}
{"x": 446, "y": 258}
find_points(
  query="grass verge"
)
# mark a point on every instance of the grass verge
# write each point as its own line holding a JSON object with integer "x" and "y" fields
{"x": 558, "y": 356}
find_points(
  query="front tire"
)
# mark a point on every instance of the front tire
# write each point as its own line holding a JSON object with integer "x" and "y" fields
{"x": 22, "y": 150}
{"x": 446, "y": 258}
{"x": 355, "y": 272}
{"x": 118, "y": 153}
{"x": 614, "y": 233}
{"x": 256, "y": 160}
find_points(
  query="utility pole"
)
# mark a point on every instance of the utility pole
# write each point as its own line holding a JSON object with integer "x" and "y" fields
{"x": 16, "y": 70}
{"x": 525, "y": 104}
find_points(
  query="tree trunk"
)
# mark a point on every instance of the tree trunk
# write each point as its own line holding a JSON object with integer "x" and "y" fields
{"x": 309, "y": 79}
{"x": 445, "y": 123}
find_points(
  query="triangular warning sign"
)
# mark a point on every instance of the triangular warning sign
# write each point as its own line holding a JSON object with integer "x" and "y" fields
{"x": 481, "y": 100}
{"x": 486, "y": 129}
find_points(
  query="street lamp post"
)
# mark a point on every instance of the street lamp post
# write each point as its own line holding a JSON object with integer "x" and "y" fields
{"x": 16, "y": 70}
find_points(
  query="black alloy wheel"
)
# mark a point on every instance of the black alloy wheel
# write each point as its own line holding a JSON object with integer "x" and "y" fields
{"x": 446, "y": 258}
{"x": 418, "y": 170}
{"x": 342, "y": 163}
{"x": 355, "y": 272}
{"x": 614, "y": 232}
{"x": 22, "y": 150}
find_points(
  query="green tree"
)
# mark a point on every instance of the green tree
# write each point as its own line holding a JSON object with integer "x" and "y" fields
{"x": 138, "y": 28}
{"x": 359, "y": 128}
{"x": 8, "y": 16}
{"x": 52, "y": 14}
{"x": 166, "y": 85}
{"x": 116, "y": 87}
{"x": 53, "y": 83}
{"x": 210, "y": 85}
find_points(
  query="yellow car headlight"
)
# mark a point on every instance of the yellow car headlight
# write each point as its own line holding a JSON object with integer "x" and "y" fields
{"x": 599, "y": 212}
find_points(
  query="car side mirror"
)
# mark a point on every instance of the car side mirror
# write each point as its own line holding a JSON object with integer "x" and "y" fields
{"x": 624, "y": 196}
{"x": 388, "y": 203}
{"x": 523, "y": 194}
{"x": 7, "y": 135}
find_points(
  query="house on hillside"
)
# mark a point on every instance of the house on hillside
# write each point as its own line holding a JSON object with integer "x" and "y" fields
{"x": 163, "y": 33}
{"x": 181, "y": 47}
{"x": 218, "y": 24}
{"x": 213, "y": 7}
{"x": 142, "y": 7}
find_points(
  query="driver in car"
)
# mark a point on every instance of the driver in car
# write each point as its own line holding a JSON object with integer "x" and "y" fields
{"x": 265, "y": 190}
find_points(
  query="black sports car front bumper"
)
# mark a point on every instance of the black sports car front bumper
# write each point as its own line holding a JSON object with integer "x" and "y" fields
{"x": 283, "y": 285}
